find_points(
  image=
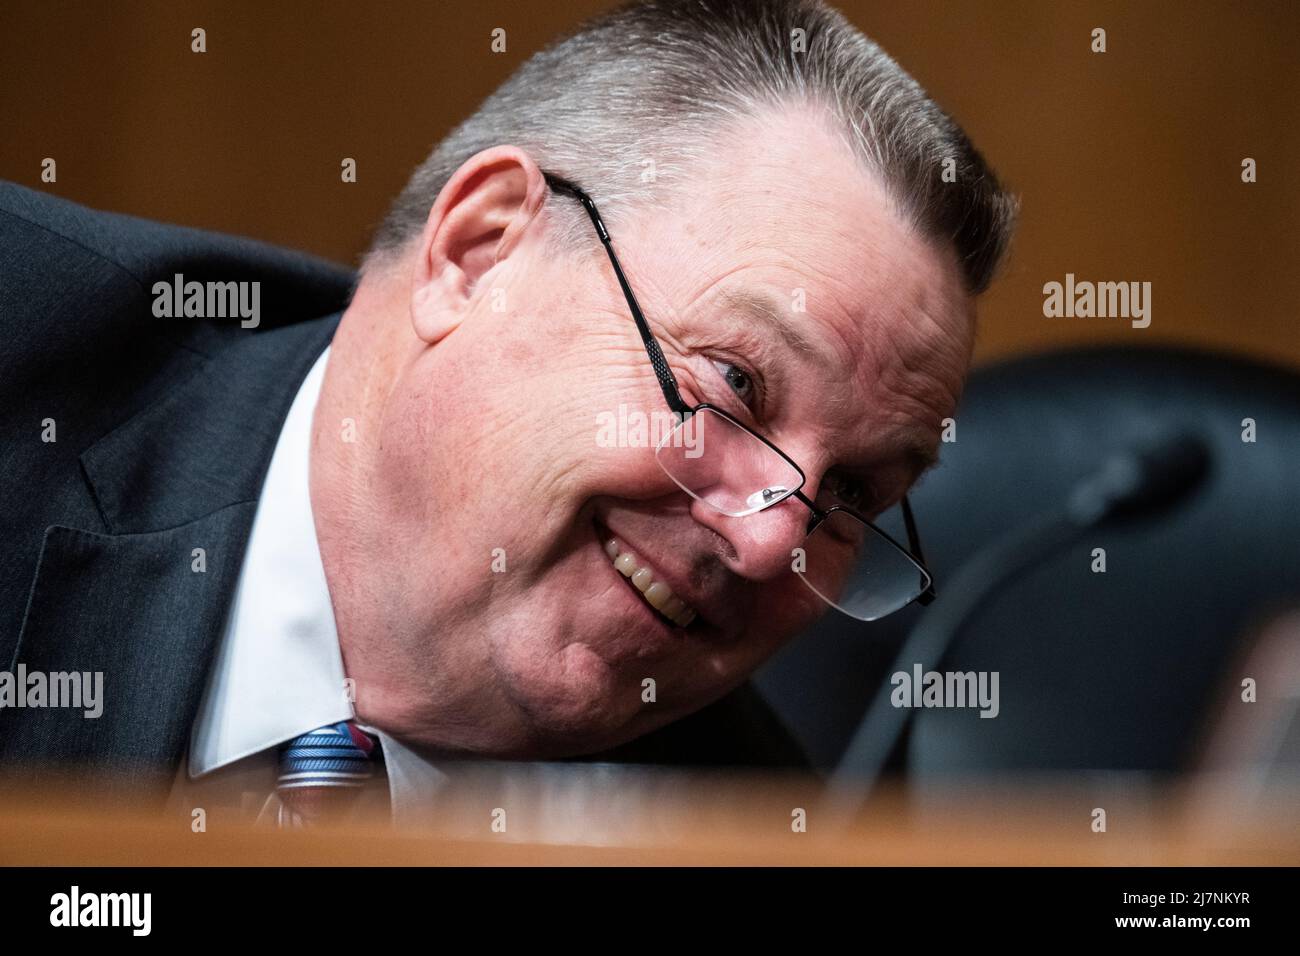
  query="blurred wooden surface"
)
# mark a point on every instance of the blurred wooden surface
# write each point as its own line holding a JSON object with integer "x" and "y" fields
{"x": 696, "y": 821}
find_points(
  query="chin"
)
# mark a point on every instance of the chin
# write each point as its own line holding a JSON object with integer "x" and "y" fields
{"x": 576, "y": 702}
{"x": 574, "y": 654}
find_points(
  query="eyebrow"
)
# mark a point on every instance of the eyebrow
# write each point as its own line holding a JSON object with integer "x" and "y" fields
{"x": 918, "y": 453}
{"x": 767, "y": 311}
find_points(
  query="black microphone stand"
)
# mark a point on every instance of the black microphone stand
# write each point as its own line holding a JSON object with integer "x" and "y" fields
{"x": 1136, "y": 483}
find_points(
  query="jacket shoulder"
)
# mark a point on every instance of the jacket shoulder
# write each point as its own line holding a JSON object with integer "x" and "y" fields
{"x": 69, "y": 246}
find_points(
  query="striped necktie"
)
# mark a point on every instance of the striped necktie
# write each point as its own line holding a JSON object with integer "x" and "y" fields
{"x": 322, "y": 774}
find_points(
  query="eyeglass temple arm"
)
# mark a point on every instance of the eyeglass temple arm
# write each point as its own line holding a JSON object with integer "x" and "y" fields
{"x": 914, "y": 542}
{"x": 667, "y": 384}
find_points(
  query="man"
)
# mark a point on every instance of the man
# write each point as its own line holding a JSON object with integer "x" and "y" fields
{"x": 401, "y": 528}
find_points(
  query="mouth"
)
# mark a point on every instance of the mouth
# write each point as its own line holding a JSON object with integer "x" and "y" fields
{"x": 645, "y": 581}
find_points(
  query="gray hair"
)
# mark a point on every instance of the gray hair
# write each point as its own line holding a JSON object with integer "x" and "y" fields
{"x": 659, "y": 78}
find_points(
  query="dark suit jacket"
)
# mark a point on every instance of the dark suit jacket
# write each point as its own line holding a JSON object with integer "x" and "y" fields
{"x": 164, "y": 431}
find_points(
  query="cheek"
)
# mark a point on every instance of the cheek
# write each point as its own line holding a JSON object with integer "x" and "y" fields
{"x": 565, "y": 688}
{"x": 492, "y": 442}
{"x": 630, "y": 474}
{"x": 786, "y": 608}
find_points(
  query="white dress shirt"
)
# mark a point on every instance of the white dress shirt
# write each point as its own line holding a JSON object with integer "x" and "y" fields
{"x": 278, "y": 671}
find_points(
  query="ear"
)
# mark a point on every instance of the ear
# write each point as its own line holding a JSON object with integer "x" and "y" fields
{"x": 475, "y": 224}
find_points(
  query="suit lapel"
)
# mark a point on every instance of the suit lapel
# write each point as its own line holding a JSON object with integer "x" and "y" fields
{"x": 145, "y": 604}
{"x": 142, "y": 612}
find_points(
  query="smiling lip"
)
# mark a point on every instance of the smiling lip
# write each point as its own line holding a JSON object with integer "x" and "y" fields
{"x": 645, "y": 580}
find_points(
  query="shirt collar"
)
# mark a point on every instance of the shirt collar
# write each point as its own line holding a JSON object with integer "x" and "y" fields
{"x": 278, "y": 671}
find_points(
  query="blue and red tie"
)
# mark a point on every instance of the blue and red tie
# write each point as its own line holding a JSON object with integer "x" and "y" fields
{"x": 322, "y": 774}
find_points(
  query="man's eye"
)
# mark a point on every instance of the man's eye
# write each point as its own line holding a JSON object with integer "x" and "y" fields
{"x": 848, "y": 490}
{"x": 740, "y": 381}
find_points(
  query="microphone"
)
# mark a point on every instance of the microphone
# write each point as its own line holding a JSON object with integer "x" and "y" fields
{"x": 1135, "y": 483}
{"x": 1141, "y": 481}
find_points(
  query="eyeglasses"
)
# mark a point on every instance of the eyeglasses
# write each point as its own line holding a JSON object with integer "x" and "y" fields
{"x": 846, "y": 560}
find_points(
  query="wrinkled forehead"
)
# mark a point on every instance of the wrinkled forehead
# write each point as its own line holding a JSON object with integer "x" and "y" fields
{"x": 782, "y": 208}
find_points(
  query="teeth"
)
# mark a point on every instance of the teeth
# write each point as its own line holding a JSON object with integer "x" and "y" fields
{"x": 657, "y": 594}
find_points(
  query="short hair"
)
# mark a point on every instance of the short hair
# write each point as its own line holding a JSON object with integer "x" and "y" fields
{"x": 660, "y": 78}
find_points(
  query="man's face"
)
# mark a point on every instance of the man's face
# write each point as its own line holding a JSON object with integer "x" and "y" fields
{"x": 500, "y": 482}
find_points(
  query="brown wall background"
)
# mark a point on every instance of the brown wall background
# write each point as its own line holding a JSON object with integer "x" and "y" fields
{"x": 1128, "y": 162}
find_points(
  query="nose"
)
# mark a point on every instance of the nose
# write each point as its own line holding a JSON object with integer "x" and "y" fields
{"x": 762, "y": 544}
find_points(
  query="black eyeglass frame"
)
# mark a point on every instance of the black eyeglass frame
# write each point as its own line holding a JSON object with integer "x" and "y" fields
{"x": 668, "y": 385}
